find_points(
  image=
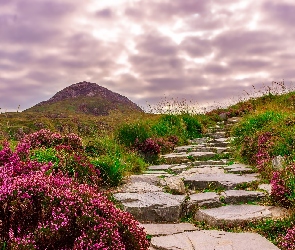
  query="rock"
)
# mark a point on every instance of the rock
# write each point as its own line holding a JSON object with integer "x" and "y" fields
{"x": 151, "y": 179}
{"x": 152, "y": 207}
{"x": 234, "y": 119}
{"x": 227, "y": 181}
{"x": 174, "y": 183}
{"x": 239, "y": 168}
{"x": 266, "y": 187}
{"x": 235, "y": 214}
{"x": 176, "y": 158}
{"x": 159, "y": 172}
{"x": 278, "y": 162}
{"x": 212, "y": 240}
{"x": 223, "y": 116}
{"x": 202, "y": 170}
{"x": 165, "y": 229}
{"x": 208, "y": 200}
{"x": 241, "y": 196}
{"x": 139, "y": 187}
{"x": 159, "y": 167}
{"x": 179, "y": 168}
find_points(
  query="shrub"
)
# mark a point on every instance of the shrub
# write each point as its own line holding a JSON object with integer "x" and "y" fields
{"x": 288, "y": 241}
{"x": 111, "y": 169}
{"x": 128, "y": 133}
{"x": 150, "y": 149}
{"x": 193, "y": 126}
{"x": 283, "y": 186}
{"x": 42, "y": 210}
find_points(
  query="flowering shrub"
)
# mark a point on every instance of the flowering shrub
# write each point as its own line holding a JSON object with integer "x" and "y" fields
{"x": 46, "y": 138}
{"x": 288, "y": 241}
{"x": 166, "y": 144}
{"x": 42, "y": 210}
{"x": 265, "y": 144}
{"x": 283, "y": 186}
{"x": 54, "y": 212}
{"x": 149, "y": 148}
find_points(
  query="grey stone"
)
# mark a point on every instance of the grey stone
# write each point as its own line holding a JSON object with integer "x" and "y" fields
{"x": 159, "y": 167}
{"x": 174, "y": 183}
{"x": 185, "y": 157}
{"x": 209, "y": 162}
{"x": 166, "y": 229}
{"x": 227, "y": 181}
{"x": 266, "y": 187}
{"x": 179, "y": 168}
{"x": 139, "y": 187}
{"x": 241, "y": 196}
{"x": 151, "y": 179}
{"x": 239, "y": 168}
{"x": 212, "y": 240}
{"x": 278, "y": 162}
{"x": 235, "y": 214}
{"x": 208, "y": 200}
{"x": 160, "y": 172}
{"x": 202, "y": 170}
{"x": 152, "y": 207}
{"x": 223, "y": 116}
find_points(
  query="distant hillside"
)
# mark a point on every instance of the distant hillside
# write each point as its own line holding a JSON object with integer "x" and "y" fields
{"x": 87, "y": 98}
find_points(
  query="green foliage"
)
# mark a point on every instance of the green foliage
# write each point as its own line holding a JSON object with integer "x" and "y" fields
{"x": 45, "y": 155}
{"x": 128, "y": 133}
{"x": 111, "y": 169}
{"x": 193, "y": 126}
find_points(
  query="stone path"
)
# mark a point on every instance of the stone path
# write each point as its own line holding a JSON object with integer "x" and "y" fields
{"x": 191, "y": 183}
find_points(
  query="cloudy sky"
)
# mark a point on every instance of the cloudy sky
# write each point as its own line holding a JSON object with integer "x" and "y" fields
{"x": 200, "y": 50}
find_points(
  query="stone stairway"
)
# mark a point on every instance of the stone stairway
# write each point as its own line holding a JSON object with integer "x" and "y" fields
{"x": 192, "y": 184}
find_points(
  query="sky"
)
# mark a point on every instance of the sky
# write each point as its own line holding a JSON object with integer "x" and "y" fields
{"x": 204, "y": 51}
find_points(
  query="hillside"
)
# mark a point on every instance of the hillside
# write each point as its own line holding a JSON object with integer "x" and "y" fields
{"x": 85, "y": 98}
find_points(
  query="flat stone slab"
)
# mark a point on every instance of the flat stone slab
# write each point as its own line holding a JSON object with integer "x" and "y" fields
{"x": 183, "y": 157}
{"x": 208, "y": 200}
{"x": 179, "y": 168}
{"x": 212, "y": 240}
{"x": 174, "y": 184}
{"x": 166, "y": 229}
{"x": 139, "y": 187}
{"x": 160, "y": 172}
{"x": 202, "y": 170}
{"x": 227, "y": 181}
{"x": 235, "y": 214}
{"x": 210, "y": 162}
{"x": 159, "y": 167}
{"x": 241, "y": 196}
{"x": 152, "y": 207}
{"x": 239, "y": 168}
{"x": 151, "y": 179}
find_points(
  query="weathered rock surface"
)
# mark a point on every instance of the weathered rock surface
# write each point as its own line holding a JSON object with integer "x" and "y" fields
{"x": 152, "y": 207}
{"x": 266, "y": 187}
{"x": 241, "y": 196}
{"x": 174, "y": 184}
{"x": 227, "y": 181}
{"x": 235, "y": 214}
{"x": 208, "y": 200}
{"x": 166, "y": 229}
{"x": 212, "y": 240}
{"x": 239, "y": 168}
{"x": 139, "y": 187}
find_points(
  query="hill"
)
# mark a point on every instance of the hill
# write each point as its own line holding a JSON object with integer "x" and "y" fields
{"x": 85, "y": 98}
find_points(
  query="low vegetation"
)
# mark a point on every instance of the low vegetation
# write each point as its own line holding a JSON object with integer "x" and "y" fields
{"x": 55, "y": 172}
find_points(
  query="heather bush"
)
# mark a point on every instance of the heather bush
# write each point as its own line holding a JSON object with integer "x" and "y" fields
{"x": 283, "y": 186}
{"x": 150, "y": 149}
{"x": 40, "y": 209}
{"x": 287, "y": 242}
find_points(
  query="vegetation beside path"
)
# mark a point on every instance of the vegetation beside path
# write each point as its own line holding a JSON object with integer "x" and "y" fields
{"x": 51, "y": 167}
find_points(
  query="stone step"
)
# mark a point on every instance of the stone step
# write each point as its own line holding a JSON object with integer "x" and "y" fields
{"x": 166, "y": 229}
{"x": 239, "y": 168}
{"x": 152, "y": 206}
{"x": 211, "y": 240}
{"x": 219, "y": 180}
{"x": 176, "y": 158}
{"x": 231, "y": 215}
{"x": 217, "y": 135}
{"x": 241, "y": 196}
{"x": 209, "y": 162}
